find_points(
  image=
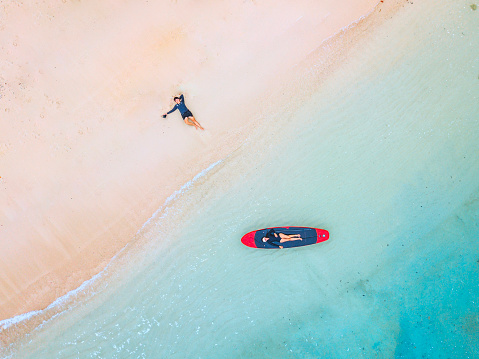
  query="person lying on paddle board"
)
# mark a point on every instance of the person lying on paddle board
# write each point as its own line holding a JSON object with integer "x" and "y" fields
{"x": 185, "y": 113}
{"x": 275, "y": 239}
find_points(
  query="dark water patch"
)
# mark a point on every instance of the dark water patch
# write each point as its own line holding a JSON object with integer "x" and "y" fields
{"x": 439, "y": 317}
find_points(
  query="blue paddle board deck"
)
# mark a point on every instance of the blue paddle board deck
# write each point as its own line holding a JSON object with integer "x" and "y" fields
{"x": 308, "y": 236}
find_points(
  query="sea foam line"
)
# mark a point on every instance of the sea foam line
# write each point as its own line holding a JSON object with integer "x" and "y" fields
{"x": 6, "y": 323}
{"x": 350, "y": 25}
{"x": 177, "y": 193}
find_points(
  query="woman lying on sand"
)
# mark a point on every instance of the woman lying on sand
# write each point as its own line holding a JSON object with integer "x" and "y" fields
{"x": 185, "y": 113}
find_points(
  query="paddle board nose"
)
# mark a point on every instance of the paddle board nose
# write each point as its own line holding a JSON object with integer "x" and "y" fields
{"x": 248, "y": 240}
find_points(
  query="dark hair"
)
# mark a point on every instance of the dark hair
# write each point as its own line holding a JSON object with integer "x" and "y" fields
{"x": 176, "y": 98}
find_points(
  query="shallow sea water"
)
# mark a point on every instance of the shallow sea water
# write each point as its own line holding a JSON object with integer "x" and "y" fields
{"x": 384, "y": 154}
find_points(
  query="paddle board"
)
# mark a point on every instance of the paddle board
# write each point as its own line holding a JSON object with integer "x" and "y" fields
{"x": 308, "y": 236}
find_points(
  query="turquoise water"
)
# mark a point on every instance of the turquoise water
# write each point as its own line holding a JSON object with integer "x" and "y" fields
{"x": 383, "y": 154}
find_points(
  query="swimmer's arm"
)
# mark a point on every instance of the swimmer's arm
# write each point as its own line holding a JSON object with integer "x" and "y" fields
{"x": 275, "y": 243}
{"x": 172, "y": 110}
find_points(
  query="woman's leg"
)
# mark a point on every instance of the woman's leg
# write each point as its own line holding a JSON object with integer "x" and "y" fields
{"x": 197, "y": 125}
{"x": 287, "y": 238}
{"x": 189, "y": 122}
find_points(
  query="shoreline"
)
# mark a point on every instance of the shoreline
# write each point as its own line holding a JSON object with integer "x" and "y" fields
{"x": 9, "y": 322}
{"x": 112, "y": 248}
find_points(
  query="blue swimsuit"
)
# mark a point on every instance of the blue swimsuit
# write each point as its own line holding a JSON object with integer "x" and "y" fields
{"x": 182, "y": 108}
{"x": 272, "y": 240}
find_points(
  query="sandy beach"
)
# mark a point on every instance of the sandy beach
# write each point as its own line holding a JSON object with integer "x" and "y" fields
{"x": 85, "y": 157}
